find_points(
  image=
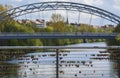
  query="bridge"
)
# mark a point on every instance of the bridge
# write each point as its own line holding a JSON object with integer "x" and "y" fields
{"x": 58, "y": 35}
{"x": 58, "y": 59}
{"x": 58, "y": 5}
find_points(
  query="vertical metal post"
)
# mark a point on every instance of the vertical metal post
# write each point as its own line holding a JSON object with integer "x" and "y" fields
{"x": 79, "y": 17}
{"x": 57, "y": 63}
{"x": 90, "y": 20}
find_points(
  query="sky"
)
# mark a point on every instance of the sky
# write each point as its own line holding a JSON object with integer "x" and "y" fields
{"x": 109, "y": 5}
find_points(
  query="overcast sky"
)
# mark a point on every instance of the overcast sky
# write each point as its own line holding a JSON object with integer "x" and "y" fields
{"x": 109, "y": 5}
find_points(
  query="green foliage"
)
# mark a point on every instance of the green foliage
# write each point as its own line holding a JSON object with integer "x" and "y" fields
{"x": 2, "y": 8}
{"x": 15, "y": 27}
{"x": 86, "y": 28}
{"x": 117, "y": 40}
{"x": 57, "y": 22}
{"x": 101, "y": 30}
{"x": 117, "y": 29}
{"x": 49, "y": 29}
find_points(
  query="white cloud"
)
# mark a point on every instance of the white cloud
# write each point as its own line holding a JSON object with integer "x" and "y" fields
{"x": 89, "y": 2}
{"x": 35, "y": 1}
{"x": 116, "y": 4}
{"x": 94, "y": 2}
{"x": 16, "y": 0}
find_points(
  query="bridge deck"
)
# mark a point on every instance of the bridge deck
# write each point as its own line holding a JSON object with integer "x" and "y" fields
{"x": 58, "y": 35}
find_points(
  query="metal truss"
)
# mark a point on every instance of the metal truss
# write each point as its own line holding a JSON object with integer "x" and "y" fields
{"x": 46, "y": 6}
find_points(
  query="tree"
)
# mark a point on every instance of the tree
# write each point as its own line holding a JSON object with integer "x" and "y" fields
{"x": 57, "y": 18}
{"x": 117, "y": 40}
{"x": 2, "y": 8}
{"x": 49, "y": 29}
{"x": 57, "y": 22}
{"x": 86, "y": 28}
{"x": 117, "y": 29}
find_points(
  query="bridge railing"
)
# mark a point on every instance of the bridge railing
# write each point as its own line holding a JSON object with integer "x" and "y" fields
{"x": 60, "y": 62}
{"x": 58, "y": 33}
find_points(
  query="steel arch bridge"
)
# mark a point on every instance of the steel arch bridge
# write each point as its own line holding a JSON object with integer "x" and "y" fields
{"x": 45, "y": 6}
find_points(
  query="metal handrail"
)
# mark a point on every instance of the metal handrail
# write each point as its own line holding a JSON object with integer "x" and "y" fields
{"x": 58, "y": 47}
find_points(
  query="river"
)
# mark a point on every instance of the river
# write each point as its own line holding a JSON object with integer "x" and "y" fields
{"x": 80, "y": 63}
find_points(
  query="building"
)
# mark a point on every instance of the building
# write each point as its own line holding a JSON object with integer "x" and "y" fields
{"x": 24, "y": 21}
{"x": 108, "y": 26}
{"x": 40, "y": 23}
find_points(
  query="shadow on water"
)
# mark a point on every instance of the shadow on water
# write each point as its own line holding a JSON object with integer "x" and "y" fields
{"x": 8, "y": 70}
{"x": 115, "y": 57}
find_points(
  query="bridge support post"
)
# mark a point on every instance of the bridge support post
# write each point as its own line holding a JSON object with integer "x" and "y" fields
{"x": 84, "y": 41}
{"x": 57, "y": 63}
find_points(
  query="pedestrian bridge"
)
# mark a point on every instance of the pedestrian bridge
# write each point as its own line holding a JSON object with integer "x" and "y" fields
{"x": 58, "y": 35}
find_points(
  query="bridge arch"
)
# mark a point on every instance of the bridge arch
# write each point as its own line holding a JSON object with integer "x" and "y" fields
{"x": 55, "y": 5}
